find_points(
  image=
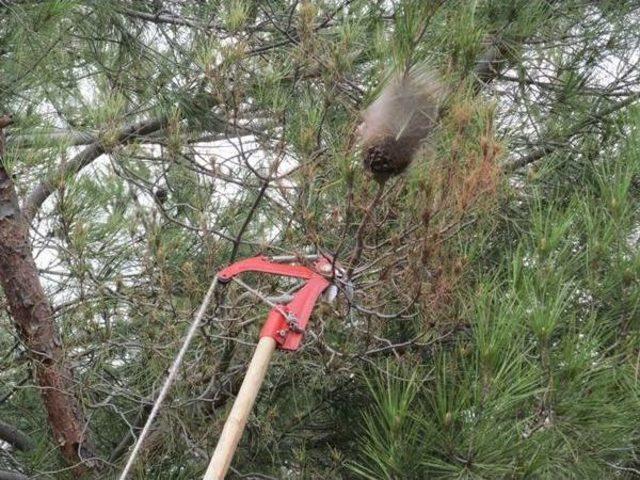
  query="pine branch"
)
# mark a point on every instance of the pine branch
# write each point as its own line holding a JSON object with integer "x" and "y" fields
{"x": 15, "y": 437}
{"x": 44, "y": 189}
{"x": 575, "y": 129}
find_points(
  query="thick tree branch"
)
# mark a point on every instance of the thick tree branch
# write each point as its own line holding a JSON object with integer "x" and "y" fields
{"x": 41, "y": 192}
{"x": 15, "y": 437}
{"x": 5, "y": 475}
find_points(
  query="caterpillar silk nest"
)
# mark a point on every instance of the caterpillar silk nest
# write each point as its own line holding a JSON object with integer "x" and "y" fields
{"x": 398, "y": 121}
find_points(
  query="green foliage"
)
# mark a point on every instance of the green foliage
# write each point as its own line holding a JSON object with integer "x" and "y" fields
{"x": 393, "y": 432}
{"x": 544, "y": 385}
{"x": 491, "y": 330}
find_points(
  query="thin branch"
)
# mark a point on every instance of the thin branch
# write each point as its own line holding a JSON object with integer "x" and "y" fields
{"x": 70, "y": 138}
{"x": 360, "y": 232}
{"x": 575, "y": 129}
{"x": 252, "y": 211}
{"x": 162, "y": 18}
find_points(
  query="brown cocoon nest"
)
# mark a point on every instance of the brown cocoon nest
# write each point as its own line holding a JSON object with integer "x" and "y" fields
{"x": 398, "y": 121}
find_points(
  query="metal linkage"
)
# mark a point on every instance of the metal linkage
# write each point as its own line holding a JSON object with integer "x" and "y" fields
{"x": 286, "y": 323}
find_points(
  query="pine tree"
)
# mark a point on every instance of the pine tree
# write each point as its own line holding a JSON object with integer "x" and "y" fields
{"x": 491, "y": 327}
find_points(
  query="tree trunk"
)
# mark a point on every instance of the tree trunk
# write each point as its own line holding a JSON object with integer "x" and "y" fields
{"x": 33, "y": 317}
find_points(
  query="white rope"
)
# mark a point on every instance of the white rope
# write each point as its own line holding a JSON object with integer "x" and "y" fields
{"x": 173, "y": 371}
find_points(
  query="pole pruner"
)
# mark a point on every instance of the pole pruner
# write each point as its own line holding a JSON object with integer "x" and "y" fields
{"x": 284, "y": 329}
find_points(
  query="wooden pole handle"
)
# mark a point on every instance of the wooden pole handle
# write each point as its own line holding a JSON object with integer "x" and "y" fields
{"x": 237, "y": 419}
